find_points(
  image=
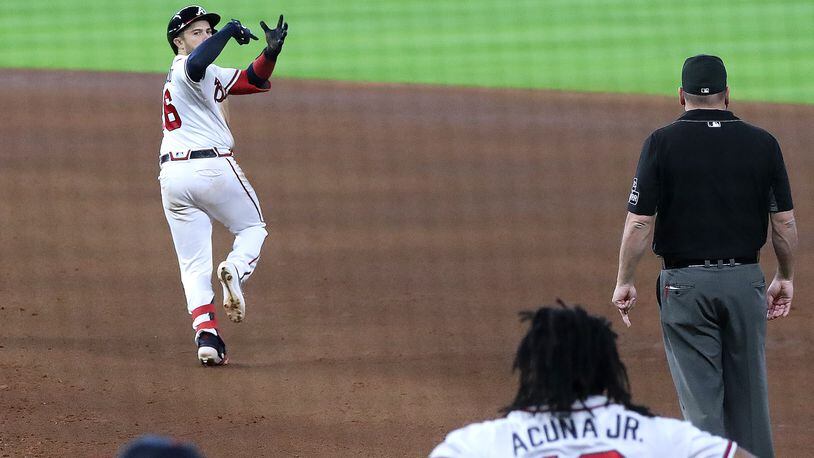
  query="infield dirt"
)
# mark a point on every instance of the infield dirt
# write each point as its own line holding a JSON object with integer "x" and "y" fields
{"x": 408, "y": 226}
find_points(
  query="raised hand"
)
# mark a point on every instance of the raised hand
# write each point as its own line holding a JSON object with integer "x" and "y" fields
{"x": 275, "y": 37}
{"x": 241, "y": 34}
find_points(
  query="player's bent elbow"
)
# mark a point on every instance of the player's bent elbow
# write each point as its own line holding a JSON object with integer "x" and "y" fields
{"x": 245, "y": 84}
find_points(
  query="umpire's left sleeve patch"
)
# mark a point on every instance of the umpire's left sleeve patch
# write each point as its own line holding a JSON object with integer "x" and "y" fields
{"x": 634, "y": 193}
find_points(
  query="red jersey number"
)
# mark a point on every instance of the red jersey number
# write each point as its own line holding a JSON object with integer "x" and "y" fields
{"x": 608, "y": 454}
{"x": 171, "y": 119}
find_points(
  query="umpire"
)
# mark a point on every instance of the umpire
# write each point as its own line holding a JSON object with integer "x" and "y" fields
{"x": 711, "y": 183}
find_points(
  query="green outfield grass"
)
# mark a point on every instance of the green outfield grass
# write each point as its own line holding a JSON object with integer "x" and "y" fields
{"x": 633, "y": 46}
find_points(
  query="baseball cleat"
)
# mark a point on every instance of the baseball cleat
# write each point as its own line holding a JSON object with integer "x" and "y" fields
{"x": 232, "y": 295}
{"x": 211, "y": 350}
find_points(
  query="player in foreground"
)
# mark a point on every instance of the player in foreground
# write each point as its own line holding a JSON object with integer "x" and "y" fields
{"x": 200, "y": 178}
{"x": 574, "y": 401}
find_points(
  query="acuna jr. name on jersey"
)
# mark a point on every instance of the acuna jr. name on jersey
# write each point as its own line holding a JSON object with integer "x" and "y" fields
{"x": 557, "y": 429}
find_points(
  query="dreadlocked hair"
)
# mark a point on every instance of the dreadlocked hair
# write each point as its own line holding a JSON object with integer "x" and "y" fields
{"x": 567, "y": 356}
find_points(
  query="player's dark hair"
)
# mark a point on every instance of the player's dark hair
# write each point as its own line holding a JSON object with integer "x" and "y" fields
{"x": 566, "y": 356}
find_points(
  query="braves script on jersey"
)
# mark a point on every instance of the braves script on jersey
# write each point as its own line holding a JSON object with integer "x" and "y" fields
{"x": 194, "y": 116}
{"x": 598, "y": 430}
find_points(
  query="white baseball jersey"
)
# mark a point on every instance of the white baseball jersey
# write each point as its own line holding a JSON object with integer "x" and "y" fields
{"x": 596, "y": 429}
{"x": 196, "y": 191}
{"x": 193, "y": 114}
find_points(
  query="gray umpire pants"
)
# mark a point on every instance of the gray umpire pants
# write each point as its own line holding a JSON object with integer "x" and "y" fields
{"x": 714, "y": 325}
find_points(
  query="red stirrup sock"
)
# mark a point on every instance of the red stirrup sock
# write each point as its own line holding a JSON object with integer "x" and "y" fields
{"x": 203, "y": 319}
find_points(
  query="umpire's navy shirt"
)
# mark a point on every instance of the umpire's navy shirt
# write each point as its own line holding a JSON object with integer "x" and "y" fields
{"x": 713, "y": 179}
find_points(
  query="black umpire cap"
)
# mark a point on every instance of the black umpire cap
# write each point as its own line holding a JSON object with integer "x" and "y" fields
{"x": 703, "y": 75}
{"x": 186, "y": 16}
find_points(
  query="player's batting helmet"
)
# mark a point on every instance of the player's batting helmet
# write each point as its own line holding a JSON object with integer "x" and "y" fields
{"x": 186, "y": 16}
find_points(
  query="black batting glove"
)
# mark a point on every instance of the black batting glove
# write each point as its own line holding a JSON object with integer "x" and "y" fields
{"x": 275, "y": 37}
{"x": 240, "y": 33}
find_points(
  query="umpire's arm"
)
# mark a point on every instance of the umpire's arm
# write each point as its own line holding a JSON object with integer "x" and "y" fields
{"x": 635, "y": 239}
{"x": 784, "y": 241}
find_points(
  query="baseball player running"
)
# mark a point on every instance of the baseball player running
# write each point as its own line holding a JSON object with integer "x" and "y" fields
{"x": 200, "y": 178}
{"x": 574, "y": 401}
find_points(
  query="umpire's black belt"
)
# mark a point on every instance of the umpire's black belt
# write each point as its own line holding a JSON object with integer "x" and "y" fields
{"x": 678, "y": 263}
{"x": 194, "y": 154}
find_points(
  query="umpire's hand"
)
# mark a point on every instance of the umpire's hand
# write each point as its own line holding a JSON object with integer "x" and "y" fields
{"x": 778, "y": 298}
{"x": 624, "y": 298}
{"x": 275, "y": 37}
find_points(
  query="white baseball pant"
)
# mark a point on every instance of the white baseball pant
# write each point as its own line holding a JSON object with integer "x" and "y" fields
{"x": 196, "y": 191}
